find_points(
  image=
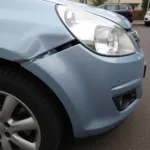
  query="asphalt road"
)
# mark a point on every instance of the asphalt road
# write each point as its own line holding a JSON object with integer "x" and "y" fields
{"x": 134, "y": 132}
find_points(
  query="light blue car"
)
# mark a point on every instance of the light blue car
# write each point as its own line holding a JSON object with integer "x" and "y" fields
{"x": 64, "y": 67}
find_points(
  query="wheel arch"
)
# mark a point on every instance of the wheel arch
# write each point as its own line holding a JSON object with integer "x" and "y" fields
{"x": 7, "y": 63}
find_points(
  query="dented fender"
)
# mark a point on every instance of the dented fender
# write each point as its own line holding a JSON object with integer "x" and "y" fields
{"x": 26, "y": 31}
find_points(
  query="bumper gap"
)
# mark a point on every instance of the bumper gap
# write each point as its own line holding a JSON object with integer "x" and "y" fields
{"x": 123, "y": 101}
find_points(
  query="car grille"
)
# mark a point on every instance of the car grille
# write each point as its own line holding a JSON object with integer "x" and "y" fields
{"x": 146, "y": 18}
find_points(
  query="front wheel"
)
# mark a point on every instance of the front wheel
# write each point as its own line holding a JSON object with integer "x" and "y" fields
{"x": 147, "y": 24}
{"x": 28, "y": 117}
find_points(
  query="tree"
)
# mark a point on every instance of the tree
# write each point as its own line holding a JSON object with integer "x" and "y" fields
{"x": 144, "y": 4}
{"x": 98, "y": 2}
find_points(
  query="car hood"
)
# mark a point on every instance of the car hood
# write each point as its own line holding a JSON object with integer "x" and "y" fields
{"x": 32, "y": 27}
{"x": 120, "y": 20}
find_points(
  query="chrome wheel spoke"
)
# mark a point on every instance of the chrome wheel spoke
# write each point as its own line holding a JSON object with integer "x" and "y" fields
{"x": 9, "y": 105}
{"x": 23, "y": 125}
{"x": 5, "y": 144}
{"x": 18, "y": 125}
{"x": 22, "y": 143}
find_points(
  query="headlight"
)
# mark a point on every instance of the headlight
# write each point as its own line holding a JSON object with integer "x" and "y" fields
{"x": 99, "y": 34}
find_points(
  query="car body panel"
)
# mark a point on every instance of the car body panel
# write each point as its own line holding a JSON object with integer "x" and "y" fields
{"x": 120, "y": 20}
{"x": 83, "y": 81}
{"x": 28, "y": 36}
{"x": 86, "y": 82}
{"x": 28, "y": 30}
{"x": 147, "y": 17}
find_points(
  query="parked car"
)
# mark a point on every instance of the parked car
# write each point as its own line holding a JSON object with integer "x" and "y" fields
{"x": 122, "y": 9}
{"x": 147, "y": 18}
{"x": 64, "y": 66}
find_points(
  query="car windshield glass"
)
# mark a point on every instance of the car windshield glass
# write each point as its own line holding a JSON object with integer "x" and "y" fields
{"x": 112, "y": 7}
{"x": 101, "y": 6}
{"x": 123, "y": 7}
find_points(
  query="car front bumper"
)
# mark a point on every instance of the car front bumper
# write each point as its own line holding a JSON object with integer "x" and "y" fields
{"x": 86, "y": 83}
{"x": 147, "y": 19}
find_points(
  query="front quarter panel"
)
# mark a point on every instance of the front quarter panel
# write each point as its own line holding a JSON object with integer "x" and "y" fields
{"x": 85, "y": 82}
{"x": 29, "y": 28}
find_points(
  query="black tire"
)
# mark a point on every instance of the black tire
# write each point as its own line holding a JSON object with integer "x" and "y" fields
{"x": 131, "y": 20}
{"x": 147, "y": 24}
{"x": 42, "y": 102}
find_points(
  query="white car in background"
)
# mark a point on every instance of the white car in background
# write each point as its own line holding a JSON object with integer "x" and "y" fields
{"x": 147, "y": 18}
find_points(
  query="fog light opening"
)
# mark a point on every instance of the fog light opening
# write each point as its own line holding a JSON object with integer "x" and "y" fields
{"x": 123, "y": 101}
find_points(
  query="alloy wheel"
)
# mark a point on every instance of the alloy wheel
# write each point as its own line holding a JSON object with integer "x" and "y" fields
{"x": 19, "y": 129}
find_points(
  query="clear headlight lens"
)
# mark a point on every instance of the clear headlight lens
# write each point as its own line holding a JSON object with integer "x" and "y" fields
{"x": 99, "y": 34}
